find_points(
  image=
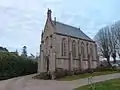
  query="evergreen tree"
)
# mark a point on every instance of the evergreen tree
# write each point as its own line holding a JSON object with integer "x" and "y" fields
{"x": 2, "y": 49}
{"x": 16, "y": 53}
{"x": 24, "y": 52}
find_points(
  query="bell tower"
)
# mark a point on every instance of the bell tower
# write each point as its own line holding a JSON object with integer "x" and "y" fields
{"x": 49, "y": 14}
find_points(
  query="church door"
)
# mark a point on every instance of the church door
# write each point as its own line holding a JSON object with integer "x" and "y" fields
{"x": 47, "y": 63}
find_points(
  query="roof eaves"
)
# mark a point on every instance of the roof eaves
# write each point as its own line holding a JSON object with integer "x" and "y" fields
{"x": 74, "y": 37}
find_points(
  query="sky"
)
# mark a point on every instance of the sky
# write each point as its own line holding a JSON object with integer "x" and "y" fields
{"x": 22, "y": 21}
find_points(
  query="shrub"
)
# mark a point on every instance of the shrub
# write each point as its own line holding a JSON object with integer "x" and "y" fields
{"x": 59, "y": 72}
{"x": 76, "y": 71}
{"x": 12, "y": 65}
{"x": 43, "y": 75}
{"x": 102, "y": 69}
{"x": 68, "y": 73}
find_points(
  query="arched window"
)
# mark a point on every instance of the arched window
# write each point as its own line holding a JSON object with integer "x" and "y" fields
{"x": 64, "y": 53}
{"x": 87, "y": 49}
{"x": 74, "y": 48}
{"x": 51, "y": 37}
{"x": 46, "y": 42}
{"x": 83, "y": 50}
{"x": 91, "y": 51}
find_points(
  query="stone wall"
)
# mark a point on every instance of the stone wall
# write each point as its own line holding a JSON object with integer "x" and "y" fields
{"x": 65, "y": 62}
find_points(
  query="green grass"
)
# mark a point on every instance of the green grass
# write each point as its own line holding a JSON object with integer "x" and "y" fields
{"x": 86, "y": 75}
{"x": 106, "y": 85}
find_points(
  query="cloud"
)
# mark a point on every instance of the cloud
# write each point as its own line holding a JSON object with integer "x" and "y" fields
{"x": 18, "y": 28}
{"x": 21, "y": 21}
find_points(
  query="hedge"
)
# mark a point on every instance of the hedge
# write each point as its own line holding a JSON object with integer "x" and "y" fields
{"x": 12, "y": 65}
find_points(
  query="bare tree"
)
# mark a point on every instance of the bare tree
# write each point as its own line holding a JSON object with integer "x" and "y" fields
{"x": 108, "y": 41}
{"x": 113, "y": 42}
{"x": 117, "y": 30}
{"x": 102, "y": 39}
{"x": 118, "y": 48}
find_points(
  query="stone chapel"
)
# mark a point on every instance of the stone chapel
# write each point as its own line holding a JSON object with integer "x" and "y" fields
{"x": 65, "y": 46}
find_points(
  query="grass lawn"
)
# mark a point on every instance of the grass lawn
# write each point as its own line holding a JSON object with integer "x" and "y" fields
{"x": 75, "y": 77}
{"x": 106, "y": 85}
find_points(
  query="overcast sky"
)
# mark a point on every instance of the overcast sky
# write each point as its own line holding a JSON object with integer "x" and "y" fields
{"x": 21, "y": 21}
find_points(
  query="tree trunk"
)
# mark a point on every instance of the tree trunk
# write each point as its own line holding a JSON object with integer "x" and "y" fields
{"x": 114, "y": 59}
{"x": 119, "y": 55}
{"x": 108, "y": 60}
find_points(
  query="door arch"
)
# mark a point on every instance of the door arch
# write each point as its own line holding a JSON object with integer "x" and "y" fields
{"x": 47, "y": 63}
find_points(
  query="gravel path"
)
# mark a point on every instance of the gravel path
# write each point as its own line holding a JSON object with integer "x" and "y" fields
{"x": 27, "y": 83}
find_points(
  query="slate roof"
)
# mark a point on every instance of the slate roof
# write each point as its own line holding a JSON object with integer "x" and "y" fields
{"x": 70, "y": 30}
